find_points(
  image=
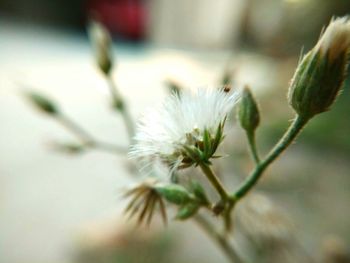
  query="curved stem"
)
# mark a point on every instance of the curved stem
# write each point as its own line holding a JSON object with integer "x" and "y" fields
{"x": 119, "y": 104}
{"x": 294, "y": 129}
{"x": 220, "y": 240}
{"x": 214, "y": 180}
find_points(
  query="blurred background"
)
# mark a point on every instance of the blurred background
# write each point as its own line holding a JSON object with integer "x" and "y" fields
{"x": 57, "y": 208}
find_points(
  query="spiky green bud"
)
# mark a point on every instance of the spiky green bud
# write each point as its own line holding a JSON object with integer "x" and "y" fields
{"x": 320, "y": 74}
{"x": 248, "y": 112}
{"x": 43, "y": 103}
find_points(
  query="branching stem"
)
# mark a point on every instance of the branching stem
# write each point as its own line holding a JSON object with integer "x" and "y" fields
{"x": 215, "y": 181}
{"x": 87, "y": 139}
{"x": 292, "y": 132}
{"x": 120, "y": 105}
{"x": 221, "y": 240}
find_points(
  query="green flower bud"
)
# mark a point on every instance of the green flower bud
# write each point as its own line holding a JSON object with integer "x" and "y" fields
{"x": 102, "y": 45}
{"x": 320, "y": 74}
{"x": 174, "y": 193}
{"x": 187, "y": 211}
{"x": 248, "y": 112}
{"x": 199, "y": 192}
{"x": 42, "y": 103}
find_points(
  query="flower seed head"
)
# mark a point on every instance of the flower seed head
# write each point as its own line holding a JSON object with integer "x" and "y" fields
{"x": 320, "y": 74}
{"x": 184, "y": 130}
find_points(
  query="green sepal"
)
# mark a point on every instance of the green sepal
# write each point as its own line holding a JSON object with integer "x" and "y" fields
{"x": 218, "y": 137}
{"x": 206, "y": 143}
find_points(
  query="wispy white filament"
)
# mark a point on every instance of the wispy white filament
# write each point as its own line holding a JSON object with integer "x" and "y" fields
{"x": 162, "y": 131}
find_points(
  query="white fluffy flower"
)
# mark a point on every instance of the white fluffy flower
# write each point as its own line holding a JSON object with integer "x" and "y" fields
{"x": 185, "y": 129}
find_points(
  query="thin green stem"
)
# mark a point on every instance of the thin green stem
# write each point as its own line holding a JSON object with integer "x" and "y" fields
{"x": 252, "y": 147}
{"x": 120, "y": 105}
{"x": 294, "y": 129}
{"x": 214, "y": 180}
{"x": 87, "y": 139}
{"x": 220, "y": 240}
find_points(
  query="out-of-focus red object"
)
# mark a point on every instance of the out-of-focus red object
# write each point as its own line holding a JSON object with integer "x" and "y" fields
{"x": 125, "y": 18}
